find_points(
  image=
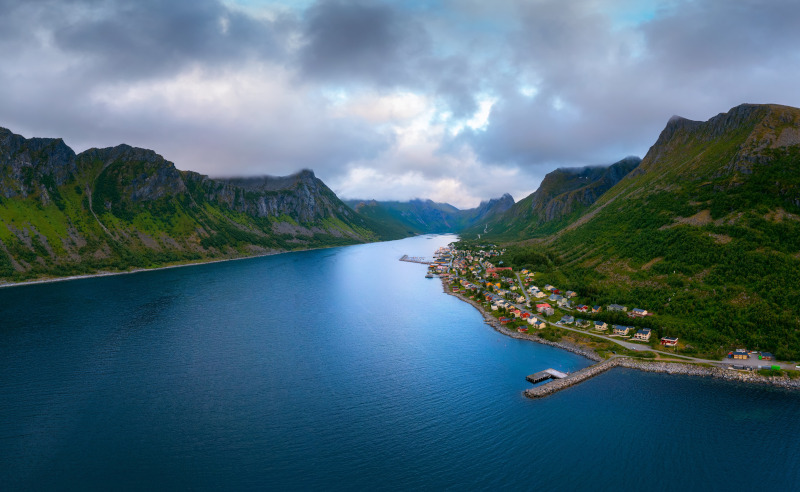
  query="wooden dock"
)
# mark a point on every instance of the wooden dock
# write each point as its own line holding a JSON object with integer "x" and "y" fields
{"x": 567, "y": 380}
{"x": 545, "y": 375}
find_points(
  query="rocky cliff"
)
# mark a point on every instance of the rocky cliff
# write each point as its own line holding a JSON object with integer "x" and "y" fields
{"x": 123, "y": 207}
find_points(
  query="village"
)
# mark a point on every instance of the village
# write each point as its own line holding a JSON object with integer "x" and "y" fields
{"x": 522, "y": 306}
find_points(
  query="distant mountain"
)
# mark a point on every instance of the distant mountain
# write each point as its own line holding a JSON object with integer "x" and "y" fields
{"x": 705, "y": 232}
{"x": 562, "y": 196}
{"x": 123, "y": 207}
{"x": 426, "y": 216}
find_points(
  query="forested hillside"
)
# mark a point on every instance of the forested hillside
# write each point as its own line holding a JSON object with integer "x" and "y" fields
{"x": 705, "y": 233}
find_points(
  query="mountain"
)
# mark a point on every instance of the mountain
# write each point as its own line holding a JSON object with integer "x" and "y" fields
{"x": 561, "y": 197}
{"x": 122, "y": 207}
{"x": 426, "y": 216}
{"x": 705, "y": 232}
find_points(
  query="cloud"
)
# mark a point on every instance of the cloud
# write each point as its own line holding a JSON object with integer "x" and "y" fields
{"x": 458, "y": 100}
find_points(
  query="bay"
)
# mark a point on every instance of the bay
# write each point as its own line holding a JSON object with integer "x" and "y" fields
{"x": 343, "y": 369}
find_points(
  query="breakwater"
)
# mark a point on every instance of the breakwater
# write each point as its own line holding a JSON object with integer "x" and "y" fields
{"x": 572, "y": 379}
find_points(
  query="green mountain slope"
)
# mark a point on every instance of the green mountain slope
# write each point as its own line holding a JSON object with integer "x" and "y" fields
{"x": 561, "y": 198}
{"x": 122, "y": 207}
{"x": 705, "y": 232}
{"x": 427, "y": 216}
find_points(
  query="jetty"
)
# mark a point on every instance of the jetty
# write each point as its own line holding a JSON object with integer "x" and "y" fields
{"x": 545, "y": 375}
{"x": 416, "y": 259}
{"x": 565, "y": 380}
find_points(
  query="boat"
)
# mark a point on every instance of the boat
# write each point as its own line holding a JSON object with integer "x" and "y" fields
{"x": 429, "y": 275}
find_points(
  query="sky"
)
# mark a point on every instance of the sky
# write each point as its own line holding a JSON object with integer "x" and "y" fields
{"x": 458, "y": 101}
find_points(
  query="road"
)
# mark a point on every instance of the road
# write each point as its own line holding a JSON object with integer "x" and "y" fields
{"x": 752, "y": 362}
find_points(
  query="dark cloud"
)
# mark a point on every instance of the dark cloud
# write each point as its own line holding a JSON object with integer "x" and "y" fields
{"x": 130, "y": 40}
{"x": 360, "y": 42}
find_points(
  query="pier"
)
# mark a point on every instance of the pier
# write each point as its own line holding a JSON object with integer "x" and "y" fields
{"x": 416, "y": 259}
{"x": 566, "y": 380}
{"x": 545, "y": 375}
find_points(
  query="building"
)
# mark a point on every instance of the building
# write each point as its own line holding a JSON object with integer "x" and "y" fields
{"x": 567, "y": 319}
{"x": 617, "y": 307}
{"x": 581, "y": 322}
{"x": 583, "y": 308}
{"x": 643, "y": 335}
{"x": 740, "y": 354}
{"x": 596, "y": 309}
{"x": 542, "y": 306}
{"x": 669, "y": 341}
{"x": 638, "y": 312}
{"x": 555, "y": 297}
{"x": 600, "y": 326}
{"x": 548, "y": 311}
{"x": 766, "y": 356}
{"x": 621, "y": 330}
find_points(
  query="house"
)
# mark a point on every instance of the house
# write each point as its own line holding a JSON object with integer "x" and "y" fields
{"x": 542, "y": 306}
{"x": 570, "y": 293}
{"x": 600, "y": 326}
{"x": 494, "y": 307}
{"x": 638, "y": 312}
{"x": 556, "y": 291}
{"x": 740, "y": 354}
{"x": 525, "y": 315}
{"x": 583, "y": 308}
{"x": 537, "y": 323}
{"x": 643, "y": 335}
{"x": 766, "y": 356}
{"x": 616, "y": 307}
{"x": 669, "y": 341}
{"x": 539, "y": 294}
{"x": 621, "y": 330}
{"x": 521, "y": 299}
{"x": 581, "y": 322}
{"x": 522, "y": 330}
{"x": 555, "y": 297}
{"x": 504, "y": 320}
{"x": 549, "y": 287}
{"x": 567, "y": 319}
{"x": 548, "y": 311}
{"x": 596, "y": 309}
{"x": 564, "y": 303}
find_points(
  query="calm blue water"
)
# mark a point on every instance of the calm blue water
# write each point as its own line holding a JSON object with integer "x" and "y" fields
{"x": 344, "y": 369}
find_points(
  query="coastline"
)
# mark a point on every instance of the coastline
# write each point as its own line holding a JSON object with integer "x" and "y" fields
{"x": 4, "y": 284}
{"x": 656, "y": 366}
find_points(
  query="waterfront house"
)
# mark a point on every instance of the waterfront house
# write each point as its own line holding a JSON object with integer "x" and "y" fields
{"x": 504, "y": 320}
{"x": 617, "y": 307}
{"x": 596, "y": 309}
{"x": 567, "y": 319}
{"x": 583, "y": 308}
{"x": 621, "y": 330}
{"x": 669, "y": 341}
{"x": 643, "y": 335}
{"x": 600, "y": 326}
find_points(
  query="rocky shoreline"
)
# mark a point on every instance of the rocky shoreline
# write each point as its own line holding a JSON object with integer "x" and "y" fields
{"x": 638, "y": 364}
